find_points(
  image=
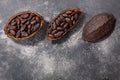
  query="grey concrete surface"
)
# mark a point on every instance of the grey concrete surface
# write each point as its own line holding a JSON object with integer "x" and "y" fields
{"x": 69, "y": 58}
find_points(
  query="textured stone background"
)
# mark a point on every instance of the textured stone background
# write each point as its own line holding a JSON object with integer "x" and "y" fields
{"x": 70, "y": 58}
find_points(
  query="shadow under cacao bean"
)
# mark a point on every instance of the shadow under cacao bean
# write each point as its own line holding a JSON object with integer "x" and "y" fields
{"x": 39, "y": 36}
{"x": 71, "y": 32}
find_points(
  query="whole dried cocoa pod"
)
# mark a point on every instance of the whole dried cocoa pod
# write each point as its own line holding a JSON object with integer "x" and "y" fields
{"x": 98, "y": 27}
{"x": 63, "y": 23}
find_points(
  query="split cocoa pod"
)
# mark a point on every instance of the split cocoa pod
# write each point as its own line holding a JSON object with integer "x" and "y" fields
{"x": 98, "y": 27}
{"x": 23, "y": 25}
{"x": 63, "y": 23}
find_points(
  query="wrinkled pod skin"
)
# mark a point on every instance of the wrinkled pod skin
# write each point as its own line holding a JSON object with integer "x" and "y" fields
{"x": 98, "y": 27}
{"x": 63, "y": 23}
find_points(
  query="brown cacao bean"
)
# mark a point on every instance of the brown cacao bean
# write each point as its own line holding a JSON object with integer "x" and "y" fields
{"x": 60, "y": 28}
{"x": 12, "y": 27}
{"x": 36, "y": 26}
{"x": 18, "y": 34}
{"x": 25, "y": 15}
{"x": 23, "y": 21}
{"x": 65, "y": 26}
{"x": 53, "y": 32}
{"x": 67, "y": 20}
{"x": 13, "y": 23}
{"x": 54, "y": 26}
{"x": 68, "y": 12}
{"x": 12, "y": 32}
{"x": 58, "y": 34}
{"x": 18, "y": 21}
{"x": 33, "y": 22}
{"x": 24, "y": 34}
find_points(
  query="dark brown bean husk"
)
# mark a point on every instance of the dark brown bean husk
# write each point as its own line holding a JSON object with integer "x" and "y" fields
{"x": 69, "y": 12}
{"x": 67, "y": 20}
{"x": 36, "y": 26}
{"x": 29, "y": 26}
{"x": 25, "y": 15}
{"x": 27, "y": 23}
{"x": 24, "y": 34}
{"x": 23, "y": 27}
{"x": 18, "y": 34}
{"x": 13, "y": 23}
{"x": 29, "y": 31}
{"x": 58, "y": 34}
{"x": 60, "y": 28}
{"x": 12, "y": 32}
{"x": 54, "y": 26}
{"x": 33, "y": 22}
{"x": 65, "y": 25}
{"x": 37, "y": 19}
{"x": 12, "y": 27}
{"x": 55, "y": 31}
{"x": 18, "y": 21}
